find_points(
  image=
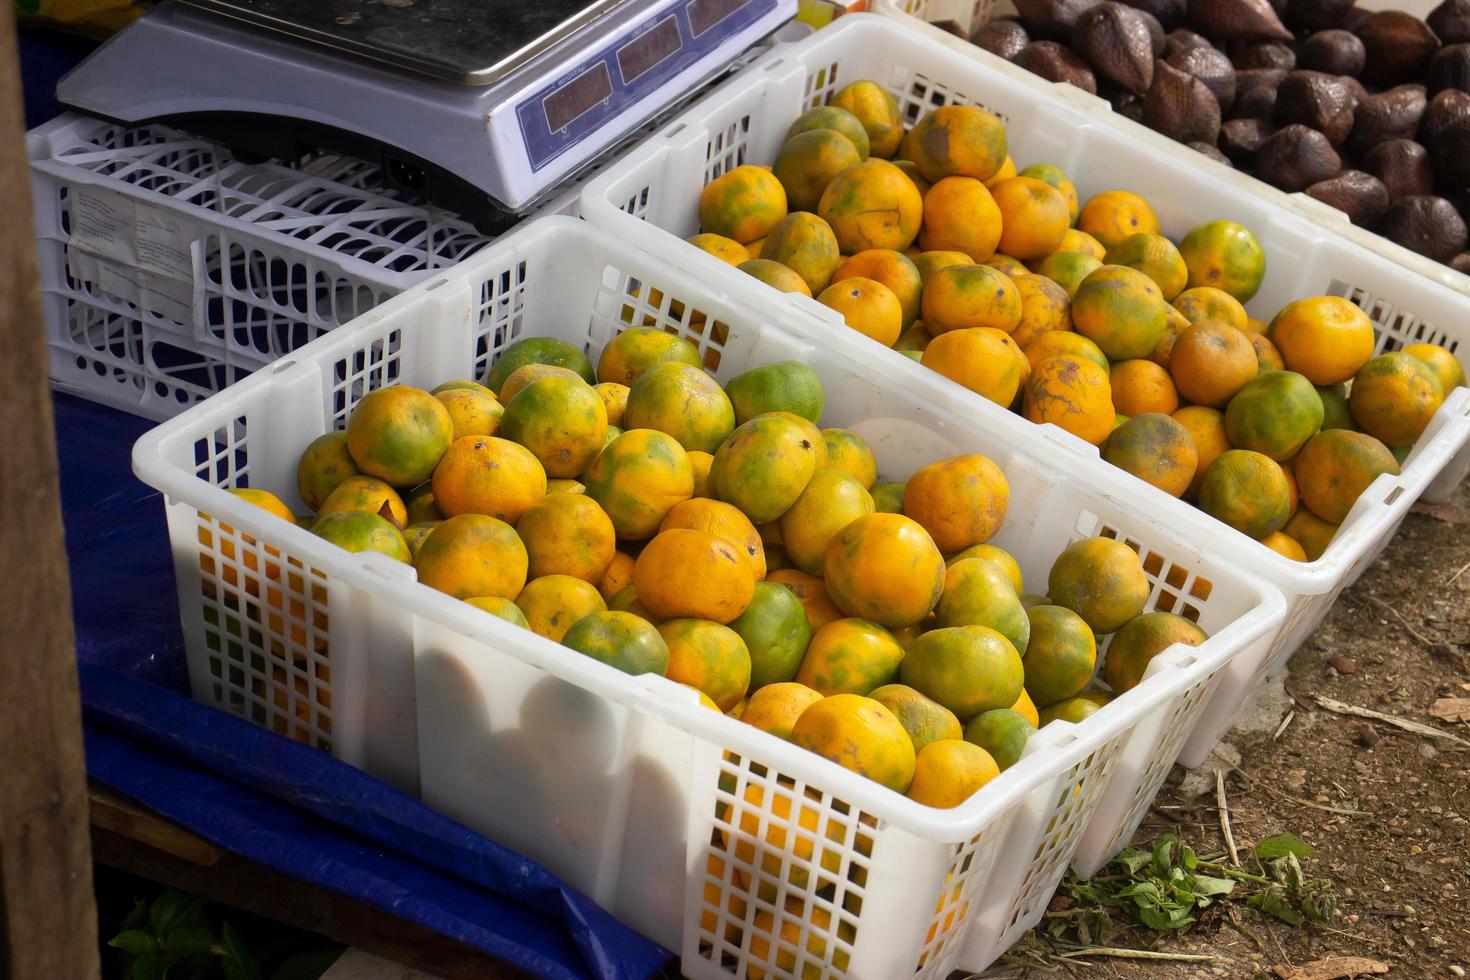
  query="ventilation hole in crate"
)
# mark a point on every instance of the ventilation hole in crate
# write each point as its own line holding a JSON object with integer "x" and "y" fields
{"x": 784, "y": 876}
{"x": 625, "y": 301}
{"x": 820, "y": 84}
{"x": 918, "y": 95}
{"x": 365, "y": 370}
{"x": 1395, "y": 328}
{"x": 637, "y": 205}
{"x": 727, "y": 150}
{"x": 970, "y": 865}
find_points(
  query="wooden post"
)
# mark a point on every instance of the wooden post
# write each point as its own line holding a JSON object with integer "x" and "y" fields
{"x": 48, "y": 918}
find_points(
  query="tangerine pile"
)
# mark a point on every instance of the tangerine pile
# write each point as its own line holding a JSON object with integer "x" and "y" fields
{"x": 1081, "y": 314}
{"x": 642, "y": 515}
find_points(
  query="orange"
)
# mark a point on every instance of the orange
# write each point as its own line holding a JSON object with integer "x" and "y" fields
{"x": 807, "y": 162}
{"x": 420, "y": 504}
{"x": 723, "y": 521}
{"x": 1208, "y": 303}
{"x": 1444, "y": 365}
{"x": 1121, "y": 310}
{"x": 888, "y": 497}
{"x": 1394, "y": 396}
{"x": 1311, "y": 532}
{"x": 835, "y": 118}
{"x": 1112, "y": 216}
{"x": 969, "y": 296}
{"x": 1156, "y": 449}
{"x": 324, "y": 464}
{"x": 1224, "y": 255}
{"x": 1003, "y": 733}
{"x": 700, "y": 463}
{"x": 1206, "y": 427}
{"x": 463, "y": 383}
{"x": 997, "y": 556}
{"x": 524, "y": 375}
{"x": 1075, "y": 710}
{"x": 859, "y": 734}
{"x": 637, "y": 349}
{"x": 619, "y": 639}
{"x": 1053, "y": 175}
{"x": 552, "y": 603}
{"x": 638, "y": 478}
{"x": 684, "y": 402}
{"x": 364, "y": 493}
{"x": 849, "y": 656}
{"x": 501, "y": 607}
{"x": 708, "y": 657}
{"x": 1101, "y": 580}
{"x": 847, "y": 451}
{"x": 1285, "y": 544}
{"x": 931, "y": 262}
{"x": 744, "y": 204}
{"x": 978, "y": 593}
{"x": 968, "y": 669}
{"x": 473, "y": 555}
{"x": 1080, "y": 241}
{"x": 777, "y": 386}
{"x": 1165, "y": 348}
{"x": 1156, "y": 257}
{"x": 1141, "y": 386}
{"x": 867, "y": 306}
{"x": 949, "y": 772}
{"x": 398, "y": 434}
{"x": 626, "y": 600}
{"x": 911, "y": 171}
{"x": 765, "y": 464}
{"x": 894, "y": 270}
{"x": 811, "y": 590}
{"x": 562, "y": 421}
{"x": 960, "y": 215}
{"x": 775, "y": 275}
{"x": 872, "y": 204}
{"x": 1326, "y": 338}
{"x": 618, "y": 576}
{"x": 415, "y": 534}
{"x": 1034, "y": 217}
{"x": 1060, "y": 658}
{"x": 538, "y": 350}
{"x": 488, "y": 475}
{"x": 614, "y": 397}
{"x": 1004, "y": 263}
{"x": 960, "y": 502}
{"x": 776, "y": 632}
{"x": 1334, "y": 468}
{"x": 1054, "y": 343}
{"x": 925, "y": 719}
{"x": 1247, "y": 491}
{"x": 1073, "y": 394}
{"x": 567, "y": 534}
{"x": 775, "y": 707}
{"x": 805, "y": 244}
{"x": 1142, "y": 639}
{"x": 359, "y": 531}
{"x": 472, "y": 413}
{"x": 727, "y": 250}
{"x": 832, "y": 500}
{"x": 957, "y": 141}
{"x": 986, "y": 361}
{"x": 683, "y": 573}
{"x": 876, "y": 108}
{"x": 1335, "y": 411}
{"x": 1274, "y": 414}
{"x": 1210, "y": 362}
{"x": 1068, "y": 269}
{"x": 1268, "y": 358}
{"x": 1045, "y": 308}
{"x": 1006, "y": 172}
{"x": 860, "y": 566}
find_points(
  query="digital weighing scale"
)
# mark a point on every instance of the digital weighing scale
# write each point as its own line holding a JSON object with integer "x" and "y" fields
{"x": 478, "y": 105}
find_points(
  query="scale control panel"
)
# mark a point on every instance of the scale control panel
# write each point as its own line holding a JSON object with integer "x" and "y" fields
{"x": 602, "y": 87}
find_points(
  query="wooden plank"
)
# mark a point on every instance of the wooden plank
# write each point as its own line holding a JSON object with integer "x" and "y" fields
{"x": 112, "y": 811}
{"x": 47, "y": 913}
{"x": 243, "y": 884}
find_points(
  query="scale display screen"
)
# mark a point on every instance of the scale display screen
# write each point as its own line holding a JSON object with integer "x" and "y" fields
{"x": 577, "y": 96}
{"x": 636, "y": 57}
{"x": 704, "y": 14}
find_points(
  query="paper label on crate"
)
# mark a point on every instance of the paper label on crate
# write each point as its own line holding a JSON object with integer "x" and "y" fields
{"x": 133, "y": 251}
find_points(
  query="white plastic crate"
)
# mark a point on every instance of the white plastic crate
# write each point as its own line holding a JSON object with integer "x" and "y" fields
{"x": 626, "y": 785}
{"x": 654, "y": 191}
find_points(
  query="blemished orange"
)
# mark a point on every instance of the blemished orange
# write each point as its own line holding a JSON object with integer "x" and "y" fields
{"x": 986, "y": 361}
{"x": 1054, "y": 343}
{"x": 1268, "y": 358}
{"x": 473, "y": 555}
{"x": 849, "y": 656}
{"x": 1334, "y": 468}
{"x": 808, "y": 161}
{"x": 723, "y": 521}
{"x": 1246, "y": 490}
{"x": 966, "y": 297}
{"x": 960, "y": 215}
{"x": 1444, "y": 365}
{"x": 527, "y": 373}
{"x": 1141, "y": 386}
{"x": 1210, "y": 362}
{"x": 877, "y": 109}
{"x": 1155, "y": 448}
{"x": 637, "y": 349}
{"x": 1101, "y": 580}
{"x": 488, "y": 475}
{"x": 859, "y": 567}
{"x": 552, "y": 603}
{"x": 811, "y": 590}
{"x": 805, "y": 244}
{"x": 364, "y": 493}
{"x": 1112, "y": 216}
{"x": 1045, "y": 307}
{"x": 1206, "y": 427}
{"x": 860, "y": 734}
{"x": 1156, "y": 257}
{"x": 684, "y": 573}
{"x": 562, "y": 421}
{"x": 961, "y": 501}
{"x": 709, "y": 657}
{"x": 1326, "y": 338}
{"x": 617, "y": 576}
{"x": 568, "y": 534}
{"x": 872, "y": 204}
{"x": 324, "y": 464}
{"x": 638, "y": 478}
{"x": 1034, "y": 217}
{"x": 867, "y": 306}
{"x": 1072, "y": 393}
{"x": 1005, "y": 263}
{"x": 471, "y": 412}
{"x": 766, "y": 463}
{"x": 1121, "y": 310}
{"x": 891, "y": 268}
{"x": 1394, "y": 396}
{"x": 957, "y": 141}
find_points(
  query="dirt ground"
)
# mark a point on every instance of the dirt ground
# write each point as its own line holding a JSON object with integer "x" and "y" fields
{"x": 1401, "y": 864}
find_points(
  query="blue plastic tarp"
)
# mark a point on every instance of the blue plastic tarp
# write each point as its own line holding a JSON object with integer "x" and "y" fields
{"x": 287, "y": 806}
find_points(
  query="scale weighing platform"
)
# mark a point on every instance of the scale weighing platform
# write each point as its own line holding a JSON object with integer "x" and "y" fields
{"x": 480, "y": 106}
